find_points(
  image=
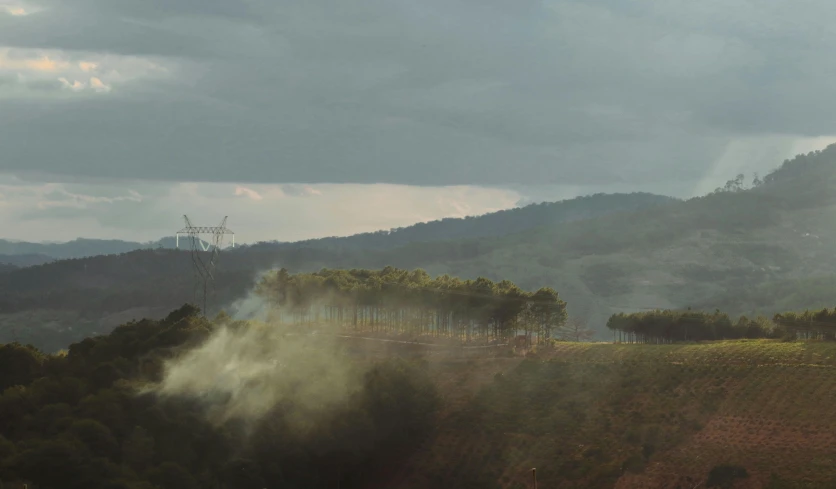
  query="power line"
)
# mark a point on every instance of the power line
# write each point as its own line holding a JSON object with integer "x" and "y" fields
{"x": 204, "y": 269}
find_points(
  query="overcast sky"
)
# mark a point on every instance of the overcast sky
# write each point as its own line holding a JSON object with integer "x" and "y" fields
{"x": 314, "y": 118}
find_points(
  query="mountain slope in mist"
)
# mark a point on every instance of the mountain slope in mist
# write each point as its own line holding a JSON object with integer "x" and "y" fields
{"x": 706, "y": 252}
{"x": 23, "y": 253}
{"x": 492, "y": 224}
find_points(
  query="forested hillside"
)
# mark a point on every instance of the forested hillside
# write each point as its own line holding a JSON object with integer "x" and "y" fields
{"x": 188, "y": 402}
{"x": 703, "y": 252}
{"x": 110, "y": 413}
{"x": 23, "y": 253}
{"x": 493, "y": 224}
{"x": 393, "y": 301}
{"x": 758, "y": 249}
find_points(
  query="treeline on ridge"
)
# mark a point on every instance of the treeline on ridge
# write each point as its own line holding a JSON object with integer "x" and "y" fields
{"x": 411, "y": 302}
{"x": 668, "y": 326}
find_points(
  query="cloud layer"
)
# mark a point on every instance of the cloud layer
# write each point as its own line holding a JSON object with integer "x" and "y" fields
{"x": 436, "y": 92}
{"x": 257, "y": 212}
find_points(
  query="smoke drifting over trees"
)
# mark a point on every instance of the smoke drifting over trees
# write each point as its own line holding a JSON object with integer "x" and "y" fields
{"x": 400, "y": 301}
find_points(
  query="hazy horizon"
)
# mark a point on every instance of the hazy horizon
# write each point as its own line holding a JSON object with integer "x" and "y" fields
{"x": 387, "y": 114}
{"x": 328, "y": 209}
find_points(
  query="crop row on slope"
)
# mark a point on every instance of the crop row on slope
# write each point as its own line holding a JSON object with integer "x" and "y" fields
{"x": 635, "y": 416}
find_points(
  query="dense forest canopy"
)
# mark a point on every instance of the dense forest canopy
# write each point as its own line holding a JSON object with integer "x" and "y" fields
{"x": 82, "y": 420}
{"x": 402, "y": 301}
{"x": 677, "y": 326}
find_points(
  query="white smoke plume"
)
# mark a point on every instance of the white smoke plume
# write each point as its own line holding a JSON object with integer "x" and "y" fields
{"x": 242, "y": 372}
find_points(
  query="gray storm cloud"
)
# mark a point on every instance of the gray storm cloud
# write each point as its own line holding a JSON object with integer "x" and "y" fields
{"x": 422, "y": 93}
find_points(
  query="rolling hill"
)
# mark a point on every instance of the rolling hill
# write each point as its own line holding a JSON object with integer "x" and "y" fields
{"x": 759, "y": 250}
{"x": 24, "y": 254}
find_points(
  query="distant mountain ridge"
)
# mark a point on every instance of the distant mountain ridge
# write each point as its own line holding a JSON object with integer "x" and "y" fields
{"x": 22, "y": 254}
{"x": 10, "y": 262}
{"x": 493, "y": 224}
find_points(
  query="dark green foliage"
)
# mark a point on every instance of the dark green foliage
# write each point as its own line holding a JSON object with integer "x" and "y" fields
{"x": 97, "y": 437}
{"x": 676, "y": 326}
{"x": 19, "y": 365}
{"x": 819, "y": 324}
{"x": 59, "y": 463}
{"x": 7, "y": 448}
{"x": 80, "y": 422}
{"x": 138, "y": 449}
{"x": 400, "y": 402}
{"x": 605, "y": 279}
{"x": 169, "y": 475}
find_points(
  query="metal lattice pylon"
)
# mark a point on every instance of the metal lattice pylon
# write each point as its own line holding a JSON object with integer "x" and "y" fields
{"x": 204, "y": 266}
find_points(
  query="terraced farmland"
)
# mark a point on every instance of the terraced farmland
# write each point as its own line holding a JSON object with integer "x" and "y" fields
{"x": 638, "y": 416}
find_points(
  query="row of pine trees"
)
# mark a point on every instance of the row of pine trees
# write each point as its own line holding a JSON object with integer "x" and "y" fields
{"x": 397, "y": 301}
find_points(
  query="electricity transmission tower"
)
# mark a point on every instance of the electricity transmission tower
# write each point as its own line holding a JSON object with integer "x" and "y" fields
{"x": 204, "y": 256}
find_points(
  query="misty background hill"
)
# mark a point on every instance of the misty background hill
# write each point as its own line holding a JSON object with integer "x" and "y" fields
{"x": 493, "y": 224}
{"x": 23, "y": 254}
{"x": 750, "y": 249}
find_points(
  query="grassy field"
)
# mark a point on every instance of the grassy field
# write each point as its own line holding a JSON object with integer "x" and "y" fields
{"x": 635, "y": 416}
